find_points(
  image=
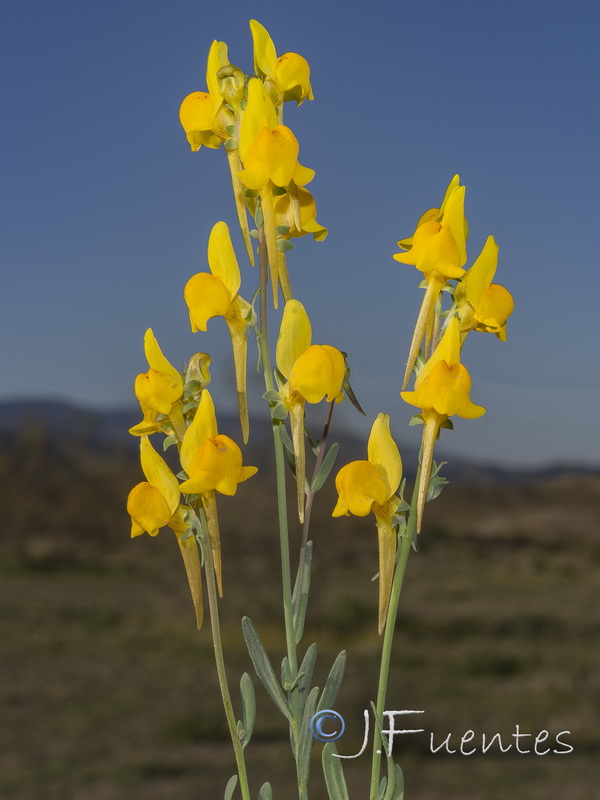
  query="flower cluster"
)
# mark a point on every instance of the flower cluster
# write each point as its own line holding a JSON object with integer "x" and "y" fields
{"x": 210, "y": 462}
{"x": 442, "y": 385}
{"x": 244, "y": 112}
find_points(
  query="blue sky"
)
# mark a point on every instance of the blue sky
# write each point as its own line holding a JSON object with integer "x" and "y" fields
{"x": 105, "y": 212}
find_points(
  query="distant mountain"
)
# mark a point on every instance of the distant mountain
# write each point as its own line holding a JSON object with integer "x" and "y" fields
{"x": 99, "y": 431}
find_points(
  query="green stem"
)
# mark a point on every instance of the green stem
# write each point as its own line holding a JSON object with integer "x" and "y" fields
{"x": 263, "y": 339}
{"x": 220, "y": 662}
{"x": 388, "y": 638}
{"x": 308, "y": 507}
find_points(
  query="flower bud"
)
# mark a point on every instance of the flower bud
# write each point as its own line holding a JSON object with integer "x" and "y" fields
{"x": 198, "y": 370}
{"x": 231, "y": 84}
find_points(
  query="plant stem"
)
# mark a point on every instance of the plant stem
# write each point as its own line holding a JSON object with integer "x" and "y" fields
{"x": 220, "y": 662}
{"x": 263, "y": 339}
{"x": 308, "y": 507}
{"x": 388, "y": 637}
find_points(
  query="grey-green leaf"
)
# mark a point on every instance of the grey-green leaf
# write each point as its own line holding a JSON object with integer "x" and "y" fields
{"x": 435, "y": 488}
{"x": 263, "y": 668}
{"x": 334, "y": 774}
{"x": 279, "y": 411}
{"x": 272, "y": 396}
{"x": 266, "y": 793}
{"x": 230, "y": 788}
{"x": 248, "y": 707}
{"x": 399, "y": 788}
{"x": 305, "y": 739}
{"x": 333, "y": 682}
{"x": 325, "y": 467}
{"x": 306, "y": 673}
{"x": 285, "y": 245}
{"x": 300, "y": 616}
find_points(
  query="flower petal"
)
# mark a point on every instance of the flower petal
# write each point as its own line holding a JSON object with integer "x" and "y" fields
{"x": 260, "y": 113}
{"x": 318, "y": 373}
{"x": 206, "y": 297}
{"x": 454, "y": 218}
{"x": 202, "y": 427}
{"x": 158, "y": 474}
{"x": 481, "y": 274}
{"x": 359, "y": 485}
{"x": 495, "y": 306}
{"x": 383, "y": 453}
{"x": 294, "y": 336}
{"x": 448, "y": 350}
{"x": 156, "y": 359}
{"x": 265, "y": 55}
{"x": 156, "y": 391}
{"x": 217, "y": 464}
{"x": 221, "y": 258}
{"x": 217, "y": 58}
{"x": 197, "y": 117}
{"x": 148, "y": 509}
{"x": 292, "y": 76}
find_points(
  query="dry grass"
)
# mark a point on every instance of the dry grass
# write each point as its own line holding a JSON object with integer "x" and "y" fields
{"x": 108, "y": 692}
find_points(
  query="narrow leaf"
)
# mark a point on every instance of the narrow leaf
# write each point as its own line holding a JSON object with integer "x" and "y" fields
{"x": 305, "y": 739}
{"x": 333, "y": 682}
{"x": 230, "y": 788}
{"x": 266, "y": 793}
{"x": 306, "y": 673}
{"x": 301, "y": 615}
{"x": 325, "y": 467}
{"x": 286, "y": 674}
{"x": 263, "y": 667}
{"x": 334, "y": 774}
{"x": 399, "y": 788}
{"x": 248, "y": 707}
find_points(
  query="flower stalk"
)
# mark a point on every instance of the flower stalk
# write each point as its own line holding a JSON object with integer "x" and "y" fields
{"x": 215, "y": 627}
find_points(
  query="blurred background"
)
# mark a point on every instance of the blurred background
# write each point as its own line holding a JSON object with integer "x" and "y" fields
{"x": 107, "y": 690}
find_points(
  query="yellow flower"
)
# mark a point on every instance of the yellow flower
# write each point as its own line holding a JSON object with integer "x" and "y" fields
{"x": 216, "y": 295}
{"x": 441, "y": 390}
{"x": 273, "y": 158}
{"x": 438, "y": 249}
{"x": 212, "y": 462}
{"x": 288, "y": 76}
{"x": 483, "y": 305}
{"x": 154, "y": 504}
{"x": 205, "y": 117}
{"x": 200, "y": 112}
{"x": 197, "y": 115}
{"x": 284, "y": 215}
{"x": 269, "y": 154}
{"x": 370, "y": 486}
{"x": 298, "y": 213}
{"x": 313, "y": 372}
{"x": 158, "y": 390}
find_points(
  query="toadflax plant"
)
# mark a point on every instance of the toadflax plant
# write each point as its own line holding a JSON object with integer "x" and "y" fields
{"x": 243, "y": 114}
